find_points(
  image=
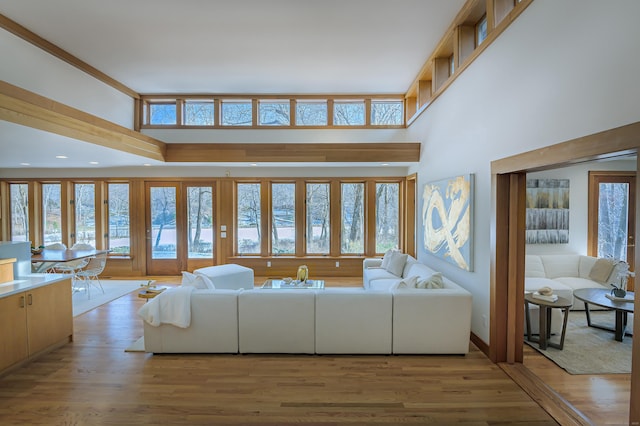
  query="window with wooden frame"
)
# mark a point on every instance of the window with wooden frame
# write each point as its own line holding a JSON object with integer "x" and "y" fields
{"x": 19, "y": 207}
{"x": 274, "y": 112}
{"x": 277, "y": 111}
{"x": 249, "y": 218}
{"x": 236, "y": 113}
{"x": 481, "y": 30}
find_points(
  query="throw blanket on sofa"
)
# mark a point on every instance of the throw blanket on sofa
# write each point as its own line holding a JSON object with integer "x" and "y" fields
{"x": 172, "y": 306}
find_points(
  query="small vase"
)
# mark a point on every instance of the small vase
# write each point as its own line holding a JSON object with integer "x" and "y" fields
{"x": 618, "y": 292}
{"x": 303, "y": 273}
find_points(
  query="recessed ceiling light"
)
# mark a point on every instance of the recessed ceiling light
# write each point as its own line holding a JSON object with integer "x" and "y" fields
{"x": 93, "y": 162}
{"x": 146, "y": 164}
{"x": 253, "y": 164}
{"x": 61, "y": 156}
{"x": 25, "y": 164}
{"x": 384, "y": 164}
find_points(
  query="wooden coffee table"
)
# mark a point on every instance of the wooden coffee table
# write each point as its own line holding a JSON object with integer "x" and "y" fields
{"x": 150, "y": 293}
{"x": 597, "y": 296}
{"x": 544, "y": 324}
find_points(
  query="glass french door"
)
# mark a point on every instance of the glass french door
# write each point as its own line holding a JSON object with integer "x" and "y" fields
{"x": 180, "y": 227}
{"x": 612, "y": 217}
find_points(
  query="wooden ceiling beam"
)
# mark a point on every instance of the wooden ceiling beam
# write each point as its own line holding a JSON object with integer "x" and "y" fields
{"x": 29, "y": 109}
{"x": 293, "y": 152}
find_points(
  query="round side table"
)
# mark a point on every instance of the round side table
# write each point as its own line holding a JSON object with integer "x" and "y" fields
{"x": 544, "y": 326}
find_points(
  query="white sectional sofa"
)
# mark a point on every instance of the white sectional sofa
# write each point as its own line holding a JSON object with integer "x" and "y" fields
{"x": 565, "y": 273}
{"x": 340, "y": 320}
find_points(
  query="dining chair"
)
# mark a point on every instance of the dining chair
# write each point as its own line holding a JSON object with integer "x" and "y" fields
{"x": 89, "y": 275}
{"x": 74, "y": 266}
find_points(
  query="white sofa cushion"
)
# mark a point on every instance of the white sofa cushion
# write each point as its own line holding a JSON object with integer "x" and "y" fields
{"x": 532, "y": 284}
{"x": 431, "y": 321}
{"x": 353, "y": 320}
{"x": 383, "y": 284}
{"x": 534, "y": 267}
{"x": 276, "y": 321}
{"x": 576, "y": 283}
{"x": 213, "y": 328}
{"x": 229, "y": 276}
{"x": 561, "y": 265}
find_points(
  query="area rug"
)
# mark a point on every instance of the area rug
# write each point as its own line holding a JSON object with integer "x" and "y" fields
{"x": 589, "y": 350}
{"x": 113, "y": 289}
{"x": 137, "y": 346}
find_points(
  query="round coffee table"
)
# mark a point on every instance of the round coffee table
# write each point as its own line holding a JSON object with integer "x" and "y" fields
{"x": 598, "y": 297}
{"x": 544, "y": 324}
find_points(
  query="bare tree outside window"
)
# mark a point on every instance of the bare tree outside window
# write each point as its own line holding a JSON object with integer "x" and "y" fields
{"x": 163, "y": 222}
{"x": 237, "y": 113}
{"x": 162, "y": 114}
{"x": 352, "y": 218}
{"x": 51, "y": 213}
{"x": 248, "y": 208}
{"x": 85, "y": 206}
{"x": 387, "y": 216}
{"x": 19, "y": 211}
{"x": 311, "y": 113}
{"x": 283, "y": 217}
{"x": 200, "y": 227}
{"x": 119, "y": 218}
{"x": 348, "y": 113}
{"x": 612, "y": 220}
{"x": 318, "y": 218}
{"x": 274, "y": 113}
{"x": 198, "y": 113}
{"x": 386, "y": 113}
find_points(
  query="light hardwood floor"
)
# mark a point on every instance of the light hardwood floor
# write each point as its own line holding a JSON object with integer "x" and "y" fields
{"x": 92, "y": 381}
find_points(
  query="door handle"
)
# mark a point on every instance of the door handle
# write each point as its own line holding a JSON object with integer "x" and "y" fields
{"x": 22, "y": 301}
{"x": 30, "y": 299}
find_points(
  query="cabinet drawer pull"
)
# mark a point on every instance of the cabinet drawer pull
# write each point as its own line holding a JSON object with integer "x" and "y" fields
{"x": 22, "y": 301}
{"x": 30, "y": 299}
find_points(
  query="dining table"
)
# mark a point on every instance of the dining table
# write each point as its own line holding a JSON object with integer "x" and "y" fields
{"x": 49, "y": 258}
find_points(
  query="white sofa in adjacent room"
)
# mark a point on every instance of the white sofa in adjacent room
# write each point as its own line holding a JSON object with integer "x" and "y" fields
{"x": 565, "y": 273}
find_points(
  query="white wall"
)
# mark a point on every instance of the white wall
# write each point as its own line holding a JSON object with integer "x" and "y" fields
{"x": 578, "y": 176}
{"x": 31, "y": 68}
{"x": 562, "y": 70}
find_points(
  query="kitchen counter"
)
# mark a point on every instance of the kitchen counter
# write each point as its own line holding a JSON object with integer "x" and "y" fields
{"x": 29, "y": 282}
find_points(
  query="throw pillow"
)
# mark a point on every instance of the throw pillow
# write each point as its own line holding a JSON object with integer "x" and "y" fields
{"x": 601, "y": 270}
{"x": 409, "y": 282}
{"x": 387, "y": 257}
{"x": 396, "y": 263}
{"x": 197, "y": 281}
{"x": 434, "y": 281}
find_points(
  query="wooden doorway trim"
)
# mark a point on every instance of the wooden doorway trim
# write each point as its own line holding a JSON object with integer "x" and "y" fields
{"x": 507, "y": 237}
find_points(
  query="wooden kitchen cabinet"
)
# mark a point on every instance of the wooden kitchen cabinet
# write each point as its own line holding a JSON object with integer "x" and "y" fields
{"x": 35, "y": 321}
{"x": 13, "y": 329}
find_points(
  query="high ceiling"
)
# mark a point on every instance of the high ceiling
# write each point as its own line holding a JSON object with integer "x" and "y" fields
{"x": 236, "y": 46}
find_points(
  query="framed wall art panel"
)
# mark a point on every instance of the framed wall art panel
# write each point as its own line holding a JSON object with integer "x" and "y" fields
{"x": 447, "y": 218}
